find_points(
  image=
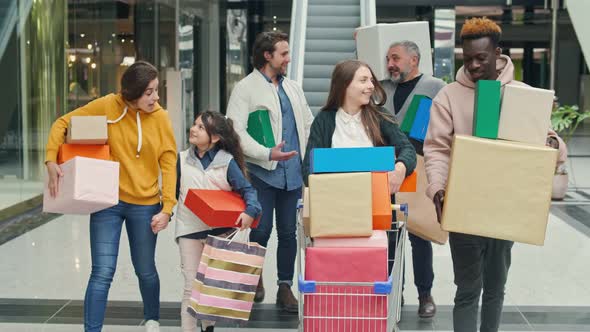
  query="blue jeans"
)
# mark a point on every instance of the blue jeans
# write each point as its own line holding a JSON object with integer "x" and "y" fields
{"x": 105, "y": 233}
{"x": 285, "y": 204}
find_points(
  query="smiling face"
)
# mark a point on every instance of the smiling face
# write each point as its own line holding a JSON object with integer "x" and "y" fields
{"x": 360, "y": 89}
{"x": 401, "y": 64}
{"x": 199, "y": 137}
{"x": 279, "y": 59}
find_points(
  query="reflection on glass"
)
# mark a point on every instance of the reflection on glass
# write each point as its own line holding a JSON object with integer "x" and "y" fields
{"x": 237, "y": 49}
{"x": 444, "y": 44}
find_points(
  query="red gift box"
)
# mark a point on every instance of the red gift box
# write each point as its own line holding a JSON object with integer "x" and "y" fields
{"x": 216, "y": 208}
{"x": 339, "y": 264}
{"x": 69, "y": 151}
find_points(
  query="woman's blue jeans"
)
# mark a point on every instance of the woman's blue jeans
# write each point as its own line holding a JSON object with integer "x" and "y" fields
{"x": 105, "y": 233}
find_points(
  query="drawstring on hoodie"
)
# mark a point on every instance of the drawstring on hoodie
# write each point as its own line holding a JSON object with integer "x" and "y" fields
{"x": 138, "y": 122}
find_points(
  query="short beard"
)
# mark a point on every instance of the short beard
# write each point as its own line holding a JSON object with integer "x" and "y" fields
{"x": 402, "y": 76}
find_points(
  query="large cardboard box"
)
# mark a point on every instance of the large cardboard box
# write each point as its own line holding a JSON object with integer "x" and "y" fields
{"x": 69, "y": 151}
{"x": 345, "y": 160}
{"x": 341, "y": 205}
{"x": 499, "y": 189}
{"x": 525, "y": 114}
{"x": 421, "y": 213}
{"x": 88, "y": 185}
{"x": 372, "y": 44}
{"x": 216, "y": 208}
{"x": 87, "y": 130}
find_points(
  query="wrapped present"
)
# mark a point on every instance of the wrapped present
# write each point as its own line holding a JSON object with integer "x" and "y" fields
{"x": 341, "y": 204}
{"x": 260, "y": 129}
{"x": 87, "y": 186}
{"x": 499, "y": 189}
{"x": 306, "y": 219}
{"x": 216, "y": 208}
{"x": 345, "y": 160}
{"x": 378, "y": 239}
{"x": 410, "y": 183}
{"x": 408, "y": 122}
{"x": 361, "y": 264}
{"x": 345, "y": 308}
{"x": 373, "y": 42}
{"x": 525, "y": 114}
{"x": 69, "y": 151}
{"x": 87, "y": 130}
{"x": 486, "y": 115}
{"x": 381, "y": 201}
{"x": 422, "y": 215}
{"x": 226, "y": 281}
{"x": 420, "y": 126}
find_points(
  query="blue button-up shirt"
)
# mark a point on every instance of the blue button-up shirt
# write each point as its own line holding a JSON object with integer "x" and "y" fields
{"x": 287, "y": 175}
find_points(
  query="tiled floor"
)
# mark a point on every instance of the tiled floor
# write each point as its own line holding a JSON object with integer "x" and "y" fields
{"x": 547, "y": 287}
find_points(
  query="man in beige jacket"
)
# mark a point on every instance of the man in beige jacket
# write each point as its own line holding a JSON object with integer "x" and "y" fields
{"x": 478, "y": 262}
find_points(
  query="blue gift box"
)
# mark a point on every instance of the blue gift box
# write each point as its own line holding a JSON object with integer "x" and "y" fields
{"x": 420, "y": 126}
{"x": 347, "y": 160}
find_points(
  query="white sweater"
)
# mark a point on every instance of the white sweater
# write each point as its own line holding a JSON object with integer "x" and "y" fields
{"x": 254, "y": 93}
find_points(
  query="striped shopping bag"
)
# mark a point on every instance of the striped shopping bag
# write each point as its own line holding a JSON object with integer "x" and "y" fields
{"x": 224, "y": 288}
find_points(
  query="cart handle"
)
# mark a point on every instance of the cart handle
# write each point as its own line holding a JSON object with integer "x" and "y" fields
{"x": 401, "y": 208}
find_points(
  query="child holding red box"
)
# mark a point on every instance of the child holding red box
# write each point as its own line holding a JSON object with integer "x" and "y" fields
{"x": 214, "y": 161}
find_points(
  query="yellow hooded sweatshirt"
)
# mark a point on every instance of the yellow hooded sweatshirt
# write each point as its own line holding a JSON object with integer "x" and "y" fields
{"x": 143, "y": 143}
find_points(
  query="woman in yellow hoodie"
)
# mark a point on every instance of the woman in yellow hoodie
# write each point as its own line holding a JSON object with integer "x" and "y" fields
{"x": 141, "y": 139}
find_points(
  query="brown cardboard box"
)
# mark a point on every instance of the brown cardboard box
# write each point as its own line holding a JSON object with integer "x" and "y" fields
{"x": 87, "y": 130}
{"x": 421, "y": 213}
{"x": 341, "y": 204}
{"x": 499, "y": 189}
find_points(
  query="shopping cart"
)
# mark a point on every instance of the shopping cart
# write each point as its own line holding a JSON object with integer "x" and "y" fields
{"x": 352, "y": 306}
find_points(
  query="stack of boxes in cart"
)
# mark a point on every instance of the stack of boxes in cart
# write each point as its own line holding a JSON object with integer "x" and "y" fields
{"x": 90, "y": 180}
{"x": 347, "y": 210}
{"x": 500, "y": 178}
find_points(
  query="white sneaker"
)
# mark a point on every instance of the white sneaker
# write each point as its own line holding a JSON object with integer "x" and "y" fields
{"x": 152, "y": 326}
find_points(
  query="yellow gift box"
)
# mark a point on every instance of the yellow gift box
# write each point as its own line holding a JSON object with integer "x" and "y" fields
{"x": 341, "y": 205}
{"x": 499, "y": 189}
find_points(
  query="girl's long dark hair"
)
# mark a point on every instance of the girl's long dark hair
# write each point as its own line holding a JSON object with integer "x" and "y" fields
{"x": 217, "y": 124}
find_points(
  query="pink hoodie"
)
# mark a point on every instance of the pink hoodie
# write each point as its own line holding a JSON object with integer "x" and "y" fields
{"x": 452, "y": 113}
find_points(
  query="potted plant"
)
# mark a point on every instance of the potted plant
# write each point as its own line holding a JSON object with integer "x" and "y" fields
{"x": 564, "y": 120}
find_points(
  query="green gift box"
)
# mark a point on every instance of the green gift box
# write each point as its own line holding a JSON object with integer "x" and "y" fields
{"x": 411, "y": 113}
{"x": 486, "y": 114}
{"x": 260, "y": 129}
